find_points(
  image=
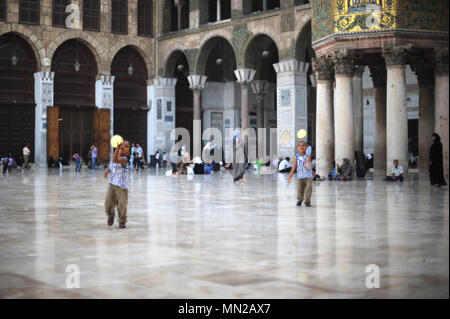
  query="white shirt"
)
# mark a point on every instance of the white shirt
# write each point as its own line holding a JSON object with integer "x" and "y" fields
{"x": 26, "y": 151}
{"x": 275, "y": 162}
{"x": 284, "y": 164}
{"x": 397, "y": 171}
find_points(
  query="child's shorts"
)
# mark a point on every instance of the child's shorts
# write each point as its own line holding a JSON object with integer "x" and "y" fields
{"x": 174, "y": 167}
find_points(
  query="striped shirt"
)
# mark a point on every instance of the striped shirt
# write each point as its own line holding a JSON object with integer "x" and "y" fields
{"x": 118, "y": 175}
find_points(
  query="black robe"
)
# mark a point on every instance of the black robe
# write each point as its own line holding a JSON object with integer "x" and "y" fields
{"x": 437, "y": 164}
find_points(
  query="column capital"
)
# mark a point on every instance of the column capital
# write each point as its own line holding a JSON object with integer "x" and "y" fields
{"x": 359, "y": 70}
{"x": 323, "y": 68}
{"x": 165, "y": 81}
{"x": 291, "y": 65}
{"x": 395, "y": 55}
{"x": 424, "y": 72}
{"x": 45, "y": 76}
{"x": 107, "y": 80}
{"x": 378, "y": 74}
{"x": 258, "y": 87}
{"x": 178, "y": 3}
{"x": 440, "y": 61}
{"x": 197, "y": 82}
{"x": 344, "y": 62}
{"x": 244, "y": 76}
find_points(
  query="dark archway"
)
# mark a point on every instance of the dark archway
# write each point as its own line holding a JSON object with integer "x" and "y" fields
{"x": 304, "y": 53}
{"x": 214, "y": 49}
{"x": 17, "y": 104}
{"x": 177, "y": 66}
{"x": 130, "y": 96}
{"x": 74, "y": 92}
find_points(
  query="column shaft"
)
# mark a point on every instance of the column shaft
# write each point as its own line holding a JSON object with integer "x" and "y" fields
{"x": 344, "y": 143}
{"x": 426, "y": 124}
{"x": 218, "y": 11}
{"x": 244, "y": 106}
{"x": 396, "y": 118}
{"x": 260, "y": 110}
{"x": 379, "y": 162}
{"x": 324, "y": 127}
{"x": 358, "y": 122}
{"x": 441, "y": 116}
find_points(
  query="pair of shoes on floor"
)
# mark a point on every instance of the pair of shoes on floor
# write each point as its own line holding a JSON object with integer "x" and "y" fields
{"x": 306, "y": 204}
{"x": 111, "y": 222}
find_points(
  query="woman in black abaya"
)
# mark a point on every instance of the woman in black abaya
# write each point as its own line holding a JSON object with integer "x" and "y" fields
{"x": 436, "y": 162}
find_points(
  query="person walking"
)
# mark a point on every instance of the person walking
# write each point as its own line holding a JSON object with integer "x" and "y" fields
{"x": 238, "y": 158}
{"x": 303, "y": 167}
{"x": 436, "y": 162}
{"x": 94, "y": 156}
{"x": 26, "y": 156}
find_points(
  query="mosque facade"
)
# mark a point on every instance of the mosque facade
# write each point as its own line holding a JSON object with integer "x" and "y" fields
{"x": 358, "y": 75}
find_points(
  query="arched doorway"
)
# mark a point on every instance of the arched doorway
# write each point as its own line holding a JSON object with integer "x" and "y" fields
{"x": 17, "y": 105}
{"x": 217, "y": 60}
{"x": 177, "y": 66}
{"x": 304, "y": 53}
{"x": 74, "y": 86}
{"x": 130, "y": 96}
{"x": 261, "y": 55}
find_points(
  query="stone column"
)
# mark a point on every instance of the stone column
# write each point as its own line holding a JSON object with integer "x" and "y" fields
{"x": 378, "y": 74}
{"x": 323, "y": 69}
{"x": 292, "y": 104}
{"x": 244, "y": 77}
{"x": 425, "y": 76}
{"x": 104, "y": 98}
{"x": 164, "y": 93}
{"x": 43, "y": 96}
{"x": 441, "y": 102}
{"x": 151, "y": 119}
{"x": 358, "y": 118}
{"x": 197, "y": 84}
{"x": 219, "y": 13}
{"x": 343, "y": 126}
{"x": 258, "y": 89}
{"x": 397, "y": 114}
{"x": 264, "y": 5}
{"x": 179, "y": 4}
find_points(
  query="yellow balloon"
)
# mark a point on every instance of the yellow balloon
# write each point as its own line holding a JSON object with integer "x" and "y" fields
{"x": 116, "y": 140}
{"x": 301, "y": 133}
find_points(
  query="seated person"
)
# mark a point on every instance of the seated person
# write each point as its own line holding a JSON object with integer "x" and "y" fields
{"x": 275, "y": 162}
{"x": 345, "y": 171}
{"x": 285, "y": 166}
{"x": 397, "y": 173}
{"x": 332, "y": 172}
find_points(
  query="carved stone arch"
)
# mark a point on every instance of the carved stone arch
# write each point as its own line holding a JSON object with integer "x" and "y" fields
{"x": 27, "y": 35}
{"x": 97, "y": 49}
{"x": 250, "y": 42}
{"x": 137, "y": 46}
{"x": 170, "y": 63}
{"x": 206, "y": 47}
{"x": 304, "y": 36}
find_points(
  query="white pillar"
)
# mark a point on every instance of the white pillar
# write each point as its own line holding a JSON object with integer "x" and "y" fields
{"x": 441, "y": 103}
{"x": 197, "y": 84}
{"x": 378, "y": 74}
{"x": 258, "y": 88}
{"x": 343, "y": 113}
{"x": 104, "y": 98}
{"x": 219, "y": 13}
{"x": 43, "y": 96}
{"x": 165, "y": 111}
{"x": 292, "y": 104}
{"x": 151, "y": 119}
{"x": 323, "y": 69}
{"x": 397, "y": 113}
{"x": 358, "y": 118}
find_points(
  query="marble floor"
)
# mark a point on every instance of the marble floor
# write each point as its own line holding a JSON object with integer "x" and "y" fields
{"x": 205, "y": 237}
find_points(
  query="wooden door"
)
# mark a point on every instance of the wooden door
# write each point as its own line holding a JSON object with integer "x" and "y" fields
{"x": 75, "y": 131}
